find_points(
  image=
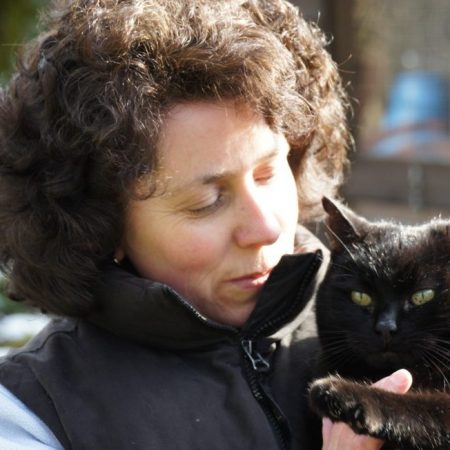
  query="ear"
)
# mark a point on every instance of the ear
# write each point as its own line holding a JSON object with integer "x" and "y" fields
{"x": 344, "y": 225}
{"x": 119, "y": 254}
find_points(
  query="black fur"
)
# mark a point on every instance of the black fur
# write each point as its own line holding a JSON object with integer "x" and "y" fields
{"x": 390, "y": 263}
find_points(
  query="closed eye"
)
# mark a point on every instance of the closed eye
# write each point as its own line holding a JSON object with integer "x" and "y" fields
{"x": 264, "y": 174}
{"x": 209, "y": 208}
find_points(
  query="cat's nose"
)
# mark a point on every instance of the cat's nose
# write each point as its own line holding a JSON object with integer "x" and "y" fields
{"x": 386, "y": 327}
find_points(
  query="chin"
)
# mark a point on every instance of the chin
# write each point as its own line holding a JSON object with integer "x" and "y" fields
{"x": 235, "y": 315}
{"x": 386, "y": 361}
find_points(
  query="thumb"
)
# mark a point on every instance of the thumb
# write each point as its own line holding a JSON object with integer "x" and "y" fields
{"x": 399, "y": 382}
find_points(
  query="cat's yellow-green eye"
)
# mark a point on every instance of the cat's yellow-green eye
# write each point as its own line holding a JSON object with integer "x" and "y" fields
{"x": 361, "y": 298}
{"x": 423, "y": 296}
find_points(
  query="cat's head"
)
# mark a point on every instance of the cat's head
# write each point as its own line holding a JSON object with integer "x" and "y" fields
{"x": 385, "y": 300}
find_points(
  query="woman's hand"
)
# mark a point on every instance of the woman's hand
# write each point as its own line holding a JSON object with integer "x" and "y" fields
{"x": 338, "y": 436}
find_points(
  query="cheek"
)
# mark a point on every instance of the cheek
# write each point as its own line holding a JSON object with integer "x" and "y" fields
{"x": 195, "y": 252}
{"x": 287, "y": 202}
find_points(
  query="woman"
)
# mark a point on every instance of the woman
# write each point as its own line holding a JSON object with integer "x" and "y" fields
{"x": 156, "y": 157}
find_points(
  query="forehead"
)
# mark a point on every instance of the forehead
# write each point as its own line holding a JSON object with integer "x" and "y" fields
{"x": 202, "y": 138}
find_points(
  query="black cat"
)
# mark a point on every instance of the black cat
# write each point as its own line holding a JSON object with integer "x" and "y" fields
{"x": 385, "y": 304}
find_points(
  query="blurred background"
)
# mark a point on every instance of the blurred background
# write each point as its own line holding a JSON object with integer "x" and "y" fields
{"x": 394, "y": 57}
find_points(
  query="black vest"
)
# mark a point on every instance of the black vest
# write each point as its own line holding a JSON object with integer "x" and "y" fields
{"x": 148, "y": 372}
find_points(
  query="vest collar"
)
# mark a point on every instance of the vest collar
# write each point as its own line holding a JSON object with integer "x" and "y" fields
{"x": 153, "y": 314}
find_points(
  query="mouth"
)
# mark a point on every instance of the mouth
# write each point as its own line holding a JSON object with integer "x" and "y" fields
{"x": 251, "y": 281}
{"x": 385, "y": 359}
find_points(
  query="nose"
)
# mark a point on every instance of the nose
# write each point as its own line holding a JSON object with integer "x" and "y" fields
{"x": 386, "y": 329}
{"x": 386, "y": 325}
{"x": 256, "y": 221}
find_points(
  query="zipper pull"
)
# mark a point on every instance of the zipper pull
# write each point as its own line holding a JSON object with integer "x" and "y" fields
{"x": 258, "y": 363}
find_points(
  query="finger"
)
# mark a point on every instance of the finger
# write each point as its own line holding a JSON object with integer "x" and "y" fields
{"x": 398, "y": 382}
{"x": 338, "y": 436}
{"x": 327, "y": 426}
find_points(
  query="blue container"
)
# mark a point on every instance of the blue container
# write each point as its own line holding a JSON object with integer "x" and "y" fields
{"x": 416, "y": 121}
{"x": 415, "y": 98}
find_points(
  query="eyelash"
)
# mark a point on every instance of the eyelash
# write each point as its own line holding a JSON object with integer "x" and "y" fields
{"x": 211, "y": 207}
{"x": 267, "y": 174}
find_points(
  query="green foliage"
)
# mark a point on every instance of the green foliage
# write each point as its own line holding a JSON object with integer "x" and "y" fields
{"x": 16, "y": 343}
{"x": 8, "y": 306}
{"x": 18, "y": 23}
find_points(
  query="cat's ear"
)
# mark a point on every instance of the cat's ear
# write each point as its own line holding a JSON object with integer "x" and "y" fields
{"x": 344, "y": 225}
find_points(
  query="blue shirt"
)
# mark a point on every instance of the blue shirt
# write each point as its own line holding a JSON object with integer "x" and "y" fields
{"x": 20, "y": 428}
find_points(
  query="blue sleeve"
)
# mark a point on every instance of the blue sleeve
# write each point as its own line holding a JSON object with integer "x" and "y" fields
{"x": 20, "y": 428}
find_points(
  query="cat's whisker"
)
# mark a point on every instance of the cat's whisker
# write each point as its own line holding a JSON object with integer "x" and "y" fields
{"x": 428, "y": 360}
{"x": 341, "y": 242}
{"x": 434, "y": 331}
{"x": 353, "y": 345}
{"x": 442, "y": 345}
{"x": 443, "y": 341}
{"x": 344, "y": 277}
{"x": 337, "y": 360}
{"x": 337, "y": 355}
{"x": 430, "y": 335}
{"x": 438, "y": 364}
{"x": 347, "y": 270}
{"x": 336, "y": 346}
{"x": 334, "y": 333}
{"x": 333, "y": 348}
{"x": 432, "y": 360}
{"x": 441, "y": 360}
{"x": 377, "y": 292}
{"x": 444, "y": 327}
{"x": 442, "y": 353}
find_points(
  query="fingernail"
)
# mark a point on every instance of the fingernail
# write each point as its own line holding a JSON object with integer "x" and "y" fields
{"x": 401, "y": 378}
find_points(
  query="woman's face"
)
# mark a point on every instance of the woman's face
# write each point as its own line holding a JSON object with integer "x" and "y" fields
{"x": 224, "y": 213}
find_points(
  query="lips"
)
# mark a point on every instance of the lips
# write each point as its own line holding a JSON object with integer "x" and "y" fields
{"x": 250, "y": 281}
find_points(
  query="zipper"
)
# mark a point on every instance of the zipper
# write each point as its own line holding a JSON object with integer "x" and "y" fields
{"x": 259, "y": 364}
{"x": 272, "y": 325}
{"x": 256, "y": 365}
{"x": 215, "y": 325}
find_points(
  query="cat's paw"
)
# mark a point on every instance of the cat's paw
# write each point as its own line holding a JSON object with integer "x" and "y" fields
{"x": 330, "y": 397}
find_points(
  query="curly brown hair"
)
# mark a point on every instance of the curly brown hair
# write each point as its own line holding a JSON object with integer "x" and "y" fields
{"x": 80, "y": 120}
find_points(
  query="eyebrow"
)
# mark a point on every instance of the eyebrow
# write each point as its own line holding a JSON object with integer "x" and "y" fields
{"x": 213, "y": 178}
